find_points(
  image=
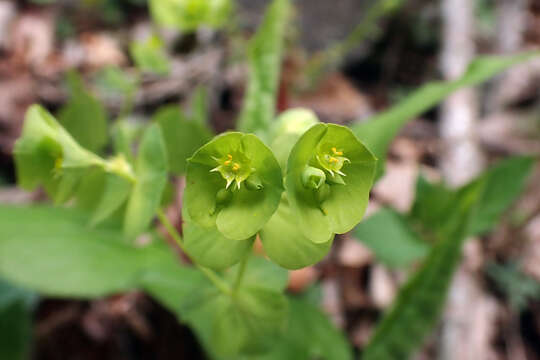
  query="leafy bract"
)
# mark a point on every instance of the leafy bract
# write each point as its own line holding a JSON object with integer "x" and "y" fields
{"x": 378, "y": 132}
{"x": 391, "y": 239}
{"x": 286, "y": 245}
{"x": 84, "y": 117}
{"x": 265, "y": 51}
{"x": 208, "y": 247}
{"x": 343, "y": 203}
{"x": 188, "y": 15}
{"x": 182, "y": 137}
{"x": 151, "y": 173}
{"x": 46, "y": 154}
{"x": 149, "y": 55}
{"x": 218, "y": 191}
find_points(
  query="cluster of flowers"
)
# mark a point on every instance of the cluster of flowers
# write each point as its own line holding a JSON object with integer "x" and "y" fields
{"x": 310, "y": 183}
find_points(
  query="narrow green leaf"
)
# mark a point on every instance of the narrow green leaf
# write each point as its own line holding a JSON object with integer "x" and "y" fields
{"x": 182, "y": 137}
{"x": 265, "y": 52}
{"x": 388, "y": 235}
{"x": 378, "y": 132}
{"x": 151, "y": 174}
{"x": 84, "y": 117}
{"x": 420, "y": 301}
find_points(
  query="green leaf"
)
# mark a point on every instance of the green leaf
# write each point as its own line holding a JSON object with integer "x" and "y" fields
{"x": 378, "y": 132}
{"x": 504, "y": 182}
{"x": 151, "y": 173}
{"x": 16, "y": 306}
{"x": 83, "y": 116}
{"x": 285, "y": 244}
{"x": 261, "y": 273}
{"x": 419, "y": 302}
{"x": 309, "y": 335}
{"x": 15, "y": 330}
{"x": 188, "y": 15}
{"x": 431, "y": 206}
{"x": 218, "y": 192}
{"x": 342, "y": 205}
{"x": 518, "y": 287}
{"x": 390, "y": 238}
{"x": 249, "y": 322}
{"x": 208, "y": 247}
{"x": 264, "y": 54}
{"x": 113, "y": 80}
{"x": 150, "y": 55}
{"x": 182, "y": 137}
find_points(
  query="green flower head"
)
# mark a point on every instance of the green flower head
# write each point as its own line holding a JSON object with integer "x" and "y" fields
{"x": 329, "y": 175}
{"x": 234, "y": 183}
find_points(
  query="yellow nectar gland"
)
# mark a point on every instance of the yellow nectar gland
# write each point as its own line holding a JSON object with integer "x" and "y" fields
{"x": 233, "y": 168}
{"x": 332, "y": 160}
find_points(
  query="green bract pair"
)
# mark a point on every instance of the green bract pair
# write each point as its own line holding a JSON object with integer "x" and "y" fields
{"x": 235, "y": 190}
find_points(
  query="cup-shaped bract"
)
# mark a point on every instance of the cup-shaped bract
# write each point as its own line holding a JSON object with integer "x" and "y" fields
{"x": 336, "y": 205}
{"x": 234, "y": 183}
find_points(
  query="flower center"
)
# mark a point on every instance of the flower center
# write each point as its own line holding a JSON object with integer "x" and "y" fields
{"x": 332, "y": 159}
{"x": 235, "y": 167}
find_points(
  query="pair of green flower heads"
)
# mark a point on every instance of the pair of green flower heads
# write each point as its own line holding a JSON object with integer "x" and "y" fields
{"x": 311, "y": 183}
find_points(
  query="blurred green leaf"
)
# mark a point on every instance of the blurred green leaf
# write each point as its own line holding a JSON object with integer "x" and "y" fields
{"x": 504, "y": 182}
{"x": 431, "y": 206}
{"x": 115, "y": 192}
{"x": 474, "y": 206}
{"x": 265, "y": 55}
{"x": 151, "y": 174}
{"x": 15, "y": 331}
{"x": 188, "y": 15}
{"x": 420, "y": 300}
{"x": 54, "y": 252}
{"x": 518, "y": 287}
{"x": 379, "y": 131}
{"x": 114, "y": 80}
{"x": 150, "y": 55}
{"x": 309, "y": 335}
{"x": 83, "y": 116}
{"x": 262, "y": 273}
{"x": 390, "y": 238}
{"x": 182, "y": 137}
{"x": 200, "y": 106}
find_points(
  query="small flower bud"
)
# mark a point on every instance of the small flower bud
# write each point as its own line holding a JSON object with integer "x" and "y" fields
{"x": 322, "y": 193}
{"x": 253, "y": 182}
{"x": 313, "y": 178}
{"x": 222, "y": 196}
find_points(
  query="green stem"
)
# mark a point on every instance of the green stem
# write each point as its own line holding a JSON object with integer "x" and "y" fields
{"x": 216, "y": 280}
{"x": 240, "y": 273}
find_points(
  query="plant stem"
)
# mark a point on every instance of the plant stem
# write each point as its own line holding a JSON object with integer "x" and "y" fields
{"x": 216, "y": 280}
{"x": 240, "y": 273}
